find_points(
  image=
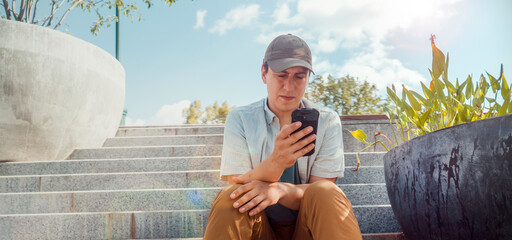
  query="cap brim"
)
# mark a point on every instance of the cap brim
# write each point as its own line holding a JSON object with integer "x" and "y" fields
{"x": 280, "y": 65}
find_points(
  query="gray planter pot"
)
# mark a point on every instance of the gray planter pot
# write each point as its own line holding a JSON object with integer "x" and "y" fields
{"x": 57, "y": 93}
{"x": 455, "y": 183}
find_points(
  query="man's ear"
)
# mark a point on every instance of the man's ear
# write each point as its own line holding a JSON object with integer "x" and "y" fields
{"x": 263, "y": 74}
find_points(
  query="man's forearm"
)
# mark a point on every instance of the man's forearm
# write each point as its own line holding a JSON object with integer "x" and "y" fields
{"x": 292, "y": 194}
{"x": 267, "y": 171}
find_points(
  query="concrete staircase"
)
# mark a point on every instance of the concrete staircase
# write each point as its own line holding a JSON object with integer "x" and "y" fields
{"x": 157, "y": 182}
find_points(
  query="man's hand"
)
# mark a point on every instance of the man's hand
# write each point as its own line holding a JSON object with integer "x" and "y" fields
{"x": 288, "y": 148}
{"x": 255, "y": 195}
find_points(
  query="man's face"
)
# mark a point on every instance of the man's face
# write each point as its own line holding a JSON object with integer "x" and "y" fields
{"x": 285, "y": 89}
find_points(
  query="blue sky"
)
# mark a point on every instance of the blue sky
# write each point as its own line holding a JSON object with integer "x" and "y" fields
{"x": 213, "y": 50}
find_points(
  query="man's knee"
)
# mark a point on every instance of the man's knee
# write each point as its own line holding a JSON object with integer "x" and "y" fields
{"x": 223, "y": 199}
{"x": 323, "y": 192}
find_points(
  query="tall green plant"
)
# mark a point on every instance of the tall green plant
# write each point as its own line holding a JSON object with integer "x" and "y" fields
{"x": 443, "y": 104}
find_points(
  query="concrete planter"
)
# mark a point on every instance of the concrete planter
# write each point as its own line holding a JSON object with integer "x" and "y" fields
{"x": 455, "y": 183}
{"x": 57, "y": 93}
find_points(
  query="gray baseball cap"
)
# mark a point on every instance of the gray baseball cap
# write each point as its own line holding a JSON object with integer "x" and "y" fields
{"x": 287, "y": 51}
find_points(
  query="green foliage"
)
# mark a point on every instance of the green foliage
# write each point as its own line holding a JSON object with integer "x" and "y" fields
{"x": 25, "y": 11}
{"x": 193, "y": 113}
{"x": 444, "y": 104}
{"x": 346, "y": 95}
{"x": 214, "y": 114}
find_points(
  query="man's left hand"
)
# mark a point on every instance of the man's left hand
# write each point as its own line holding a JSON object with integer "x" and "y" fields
{"x": 255, "y": 195}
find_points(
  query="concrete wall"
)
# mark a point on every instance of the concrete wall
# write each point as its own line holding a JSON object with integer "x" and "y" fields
{"x": 57, "y": 93}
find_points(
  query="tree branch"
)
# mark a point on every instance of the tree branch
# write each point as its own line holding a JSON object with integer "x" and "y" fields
{"x": 50, "y": 17}
{"x": 34, "y": 12}
{"x": 22, "y": 10}
{"x": 7, "y": 10}
{"x": 66, "y": 13}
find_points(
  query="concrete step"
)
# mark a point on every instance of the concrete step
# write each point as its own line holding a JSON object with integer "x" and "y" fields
{"x": 170, "y": 130}
{"x": 370, "y": 127}
{"x": 147, "y": 152}
{"x": 164, "y": 140}
{"x": 366, "y": 236}
{"x": 147, "y": 180}
{"x": 144, "y": 165}
{"x": 149, "y": 224}
{"x": 110, "y": 165}
{"x": 149, "y": 200}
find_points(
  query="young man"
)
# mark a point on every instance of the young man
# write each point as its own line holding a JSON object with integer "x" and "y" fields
{"x": 275, "y": 191}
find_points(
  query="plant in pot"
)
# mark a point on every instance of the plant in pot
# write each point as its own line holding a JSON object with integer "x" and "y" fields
{"x": 452, "y": 176}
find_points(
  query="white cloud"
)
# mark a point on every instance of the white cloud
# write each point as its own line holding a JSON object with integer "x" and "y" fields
{"x": 131, "y": 122}
{"x": 200, "y": 19}
{"x": 358, "y": 30}
{"x": 242, "y": 16}
{"x": 378, "y": 68}
{"x": 170, "y": 114}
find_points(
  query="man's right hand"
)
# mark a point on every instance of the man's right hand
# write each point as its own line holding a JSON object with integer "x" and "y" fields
{"x": 288, "y": 148}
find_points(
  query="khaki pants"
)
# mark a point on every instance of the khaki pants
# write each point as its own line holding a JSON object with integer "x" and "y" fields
{"x": 325, "y": 213}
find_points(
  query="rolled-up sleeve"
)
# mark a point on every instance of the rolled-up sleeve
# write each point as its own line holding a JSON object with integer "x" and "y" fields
{"x": 329, "y": 162}
{"x": 235, "y": 152}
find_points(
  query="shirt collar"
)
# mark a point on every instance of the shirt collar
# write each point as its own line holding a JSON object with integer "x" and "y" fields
{"x": 269, "y": 115}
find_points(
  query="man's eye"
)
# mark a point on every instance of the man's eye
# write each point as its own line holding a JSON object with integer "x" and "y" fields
{"x": 281, "y": 76}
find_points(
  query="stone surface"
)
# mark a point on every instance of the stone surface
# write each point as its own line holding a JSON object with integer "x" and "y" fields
{"x": 153, "y": 200}
{"x": 109, "y": 166}
{"x": 57, "y": 93}
{"x": 164, "y": 140}
{"x": 147, "y": 180}
{"x": 170, "y": 130}
{"x": 145, "y": 152}
{"x": 147, "y": 224}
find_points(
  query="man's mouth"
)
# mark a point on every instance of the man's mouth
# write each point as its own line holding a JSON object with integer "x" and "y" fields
{"x": 287, "y": 98}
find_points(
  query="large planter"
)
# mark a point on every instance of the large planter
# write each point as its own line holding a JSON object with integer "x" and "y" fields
{"x": 57, "y": 93}
{"x": 455, "y": 183}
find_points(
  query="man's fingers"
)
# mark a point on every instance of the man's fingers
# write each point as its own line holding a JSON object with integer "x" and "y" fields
{"x": 263, "y": 204}
{"x": 251, "y": 204}
{"x": 240, "y": 190}
{"x": 303, "y": 151}
{"x": 288, "y": 129}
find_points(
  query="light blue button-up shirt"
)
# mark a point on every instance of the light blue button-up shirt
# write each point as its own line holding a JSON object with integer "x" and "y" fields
{"x": 249, "y": 136}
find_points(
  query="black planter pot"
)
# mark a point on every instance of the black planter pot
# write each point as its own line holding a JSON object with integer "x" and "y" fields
{"x": 455, "y": 183}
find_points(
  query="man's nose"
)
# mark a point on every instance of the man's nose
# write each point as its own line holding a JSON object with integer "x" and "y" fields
{"x": 287, "y": 85}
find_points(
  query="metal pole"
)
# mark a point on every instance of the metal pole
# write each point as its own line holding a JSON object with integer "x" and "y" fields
{"x": 117, "y": 32}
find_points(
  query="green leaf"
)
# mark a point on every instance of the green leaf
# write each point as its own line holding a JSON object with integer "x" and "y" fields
{"x": 429, "y": 94}
{"x": 469, "y": 87}
{"x": 421, "y": 99}
{"x": 414, "y": 103}
{"x": 394, "y": 97}
{"x": 495, "y": 84}
{"x": 424, "y": 117}
{"x": 359, "y": 135}
{"x": 503, "y": 109}
{"x": 505, "y": 90}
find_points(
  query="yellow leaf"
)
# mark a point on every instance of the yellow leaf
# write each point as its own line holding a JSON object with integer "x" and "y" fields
{"x": 359, "y": 135}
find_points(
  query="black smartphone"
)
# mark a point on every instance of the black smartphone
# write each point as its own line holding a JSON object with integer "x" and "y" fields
{"x": 308, "y": 117}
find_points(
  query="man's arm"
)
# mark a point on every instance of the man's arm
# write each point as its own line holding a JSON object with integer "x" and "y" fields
{"x": 287, "y": 149}
{"x": 259, "y": 195}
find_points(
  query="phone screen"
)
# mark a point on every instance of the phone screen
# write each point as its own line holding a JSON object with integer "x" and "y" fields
{"x": 308, "y": 117}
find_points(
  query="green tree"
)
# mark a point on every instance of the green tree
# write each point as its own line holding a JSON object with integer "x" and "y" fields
{"x": 213, "y": 114}
{"x": 193, "y": 113}
{"x": 217, "y": 114}
{"x": 346, "y": 95}
{"x": 27, "y": 9}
